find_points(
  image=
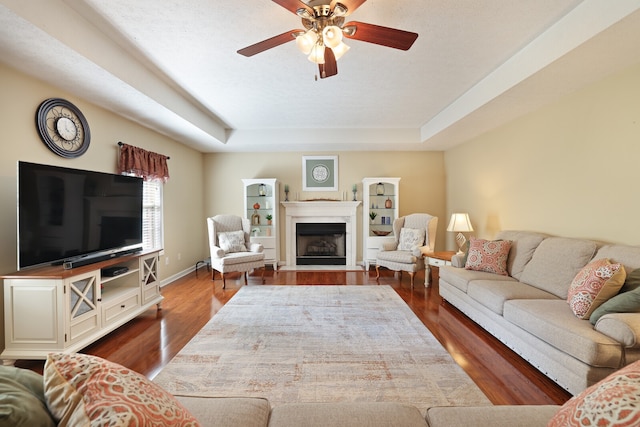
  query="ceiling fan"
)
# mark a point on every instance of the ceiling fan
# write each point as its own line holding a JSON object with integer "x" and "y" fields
{"x": 324, "y": 25}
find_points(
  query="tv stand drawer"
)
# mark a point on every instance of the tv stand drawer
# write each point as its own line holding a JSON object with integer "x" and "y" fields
{"x": 121, "y": 306}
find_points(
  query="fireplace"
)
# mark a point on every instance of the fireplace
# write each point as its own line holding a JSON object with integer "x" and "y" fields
{"x": 328, "y": 214}
{"x": 321, "y": 243}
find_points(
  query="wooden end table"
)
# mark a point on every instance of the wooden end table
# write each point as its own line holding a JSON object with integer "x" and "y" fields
{"x": 435, "y": 259}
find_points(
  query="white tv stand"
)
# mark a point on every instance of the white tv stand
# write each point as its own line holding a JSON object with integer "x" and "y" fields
{"x": 50, "y": 309}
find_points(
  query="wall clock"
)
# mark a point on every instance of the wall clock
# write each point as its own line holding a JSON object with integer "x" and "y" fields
{"x": 63, "y": 128}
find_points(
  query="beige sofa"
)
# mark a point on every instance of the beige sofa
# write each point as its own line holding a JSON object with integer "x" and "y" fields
{"x": 527, "y": 309}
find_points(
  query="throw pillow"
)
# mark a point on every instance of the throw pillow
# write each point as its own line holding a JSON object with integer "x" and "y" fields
{"x": 83, "y": 390}
{"x": 410, "y": 238}
{"x": 22, "y": 400}
{"x": 632, "y": 281}
{"x": 614, "y": 401}
{"x": 488, "y": 255}
{"x": 626, "y": 302}
{"x": 594, "y": 284}
{"x": 232, "y": 241}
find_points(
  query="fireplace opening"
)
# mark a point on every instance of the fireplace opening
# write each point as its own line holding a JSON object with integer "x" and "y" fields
{"x": 321, "y": 244}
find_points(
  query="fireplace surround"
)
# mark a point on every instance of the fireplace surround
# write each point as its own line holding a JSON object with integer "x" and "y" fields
{"x": 321, "y": 212}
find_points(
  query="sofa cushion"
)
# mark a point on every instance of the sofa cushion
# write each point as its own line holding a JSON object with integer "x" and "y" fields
{"x": 614, "y": 401}
{"x": 553, "y": 322}
{"x": 494, "y": 416}
{"x": 629, "y": 256}
{"x": 22, "y": 401}
{"x": 627, "y": 302}
{"x": 493, "y": 293}
{"x": 228, "y": 411}
{"x": 523, "y": 245}
{"x": 460, "y": 277}
{"x": 555, "y": 263}
{"x": 594, "y": 284}
{"x": 346, "y": 414}
{"x": 488, "y": 255}
{"x": 81, "y": 390}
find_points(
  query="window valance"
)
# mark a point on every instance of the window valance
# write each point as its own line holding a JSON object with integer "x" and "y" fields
{"x": 140, "y": 162}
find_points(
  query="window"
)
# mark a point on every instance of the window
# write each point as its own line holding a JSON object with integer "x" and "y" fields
{"x": 152, "y": 237}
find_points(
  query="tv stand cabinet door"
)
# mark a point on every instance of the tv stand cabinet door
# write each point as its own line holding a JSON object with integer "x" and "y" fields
{"x": 82, "y": 306}
{"x": 149, "y": 278}
{"x": 32, "y": 316}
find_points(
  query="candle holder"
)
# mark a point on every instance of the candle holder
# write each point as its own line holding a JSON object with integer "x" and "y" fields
{"x": 354, "y": 195}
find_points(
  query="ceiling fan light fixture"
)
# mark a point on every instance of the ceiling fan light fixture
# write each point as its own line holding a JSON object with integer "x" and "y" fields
{"x": 340, "y": 10}
{"x": 306, "y": 41}
{"x": 317, "y": 54}
{"x": 304, "y": 13}
{"x": 332, "y": 36}
{"x": 340, "y": 50}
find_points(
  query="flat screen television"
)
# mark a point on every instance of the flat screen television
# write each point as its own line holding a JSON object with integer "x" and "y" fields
{"x": 67, "y": 216}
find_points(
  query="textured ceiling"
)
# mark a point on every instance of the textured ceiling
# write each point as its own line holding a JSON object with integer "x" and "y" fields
{"x": 173, "y": 66}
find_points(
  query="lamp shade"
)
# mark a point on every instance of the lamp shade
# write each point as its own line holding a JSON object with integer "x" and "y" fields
{"x": 332, "y": 36}
{"x": 306, "y": 41}
{"x": 460, "y": 222}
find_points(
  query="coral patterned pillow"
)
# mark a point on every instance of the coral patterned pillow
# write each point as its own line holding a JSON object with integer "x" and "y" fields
{"x": 488, "y": 255}
{"x": 593, "y": 285}
{"x": 82, "y": 390}
{"x": 614, "y": 401}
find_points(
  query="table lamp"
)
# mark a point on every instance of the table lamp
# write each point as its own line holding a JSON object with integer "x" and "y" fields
{"x": 460, "y": 222}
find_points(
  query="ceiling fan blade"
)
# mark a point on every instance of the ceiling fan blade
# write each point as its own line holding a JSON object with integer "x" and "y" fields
{"x": 269, "y": 43}
{"x": 351, "y": 5}
{"x": 385, "y": 36}
{"x": 330, "y": 66}
{"x": 293, "y": 6}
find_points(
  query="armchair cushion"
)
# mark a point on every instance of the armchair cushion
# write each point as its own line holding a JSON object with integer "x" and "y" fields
{"x": 232, "y": 241}
{"x": 410, "y": 238}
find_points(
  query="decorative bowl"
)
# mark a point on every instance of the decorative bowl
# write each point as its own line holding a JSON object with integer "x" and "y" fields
{"x": 381, "y": 232}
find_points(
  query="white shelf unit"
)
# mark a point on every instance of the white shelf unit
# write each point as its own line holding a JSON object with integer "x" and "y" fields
{"x": 377, "y": 194}
{"x": 265, "y": 192}
{"x": 50, "y": 309}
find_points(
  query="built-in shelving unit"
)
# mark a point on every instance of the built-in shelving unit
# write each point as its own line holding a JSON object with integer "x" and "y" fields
{"x": 381, "y": 199}
{"x": 261, "y": 200}
{"x": 50, "y": 309}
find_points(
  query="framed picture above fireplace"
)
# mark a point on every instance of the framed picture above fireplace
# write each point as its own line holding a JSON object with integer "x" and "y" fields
{"x": 320, "y": 173}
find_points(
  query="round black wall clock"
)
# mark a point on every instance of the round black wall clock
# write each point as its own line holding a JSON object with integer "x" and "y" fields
{"x": 63, "y": 128}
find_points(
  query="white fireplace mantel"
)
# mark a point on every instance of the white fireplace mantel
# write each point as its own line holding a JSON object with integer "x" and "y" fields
{"x": 320, "y": 211}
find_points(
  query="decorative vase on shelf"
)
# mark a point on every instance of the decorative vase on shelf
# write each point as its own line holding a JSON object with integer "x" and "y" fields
{"x": 256, "y": 206}
{"x": 269, "y": 231}
{"x": 388, "y": 203}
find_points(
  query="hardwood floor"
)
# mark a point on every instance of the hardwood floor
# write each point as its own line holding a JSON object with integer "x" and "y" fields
{"x": 150, "y": 341}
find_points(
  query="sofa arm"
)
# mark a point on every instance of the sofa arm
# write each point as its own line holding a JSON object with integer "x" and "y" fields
{"x": 256, "y": 247}
{"x": 622, "y": 327}
{"x": 216, "y": 252}
{"x": 494, "y": 416}
{"x": 457, "y": 260}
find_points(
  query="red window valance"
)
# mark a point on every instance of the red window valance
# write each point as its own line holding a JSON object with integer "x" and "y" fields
{"x": 143, "y": 163}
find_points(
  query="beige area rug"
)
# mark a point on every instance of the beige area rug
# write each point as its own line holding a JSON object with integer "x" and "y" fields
{"x": 319, "y": 344}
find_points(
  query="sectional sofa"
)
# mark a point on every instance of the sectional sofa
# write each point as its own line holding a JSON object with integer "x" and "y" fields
{"x": 527, "y": 307}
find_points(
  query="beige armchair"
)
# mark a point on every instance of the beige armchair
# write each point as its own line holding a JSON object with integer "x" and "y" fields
{"x": 414, "y": 234}
{"x": 231, "y": 248}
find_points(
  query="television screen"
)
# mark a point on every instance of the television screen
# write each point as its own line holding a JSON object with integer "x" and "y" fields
{"x": 67, "y": 214}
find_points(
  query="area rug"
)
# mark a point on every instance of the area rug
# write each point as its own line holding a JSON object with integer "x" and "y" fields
{"x": 319, "y": 344}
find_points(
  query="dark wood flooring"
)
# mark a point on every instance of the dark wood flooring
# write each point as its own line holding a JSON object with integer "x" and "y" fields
{"x": 150, "y": 341}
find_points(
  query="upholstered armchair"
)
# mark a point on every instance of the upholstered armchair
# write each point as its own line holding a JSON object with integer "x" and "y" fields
{"x": 414, "y": 234}
{"x": 230, "y": 246}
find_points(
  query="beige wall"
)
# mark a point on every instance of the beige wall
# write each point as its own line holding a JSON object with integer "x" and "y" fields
{"x": 183, "y": 194}
{"x": 422, "y": 181}
{"x": 569, "y": 169}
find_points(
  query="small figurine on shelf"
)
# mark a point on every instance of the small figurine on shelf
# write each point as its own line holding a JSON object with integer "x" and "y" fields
{"x": 269, "y": 217}
{"x": 286, "y": 192}
{"x": 373, "y": 216}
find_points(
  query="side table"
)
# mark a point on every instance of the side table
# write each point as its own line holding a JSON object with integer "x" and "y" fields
{"x": 435, "y": 259}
